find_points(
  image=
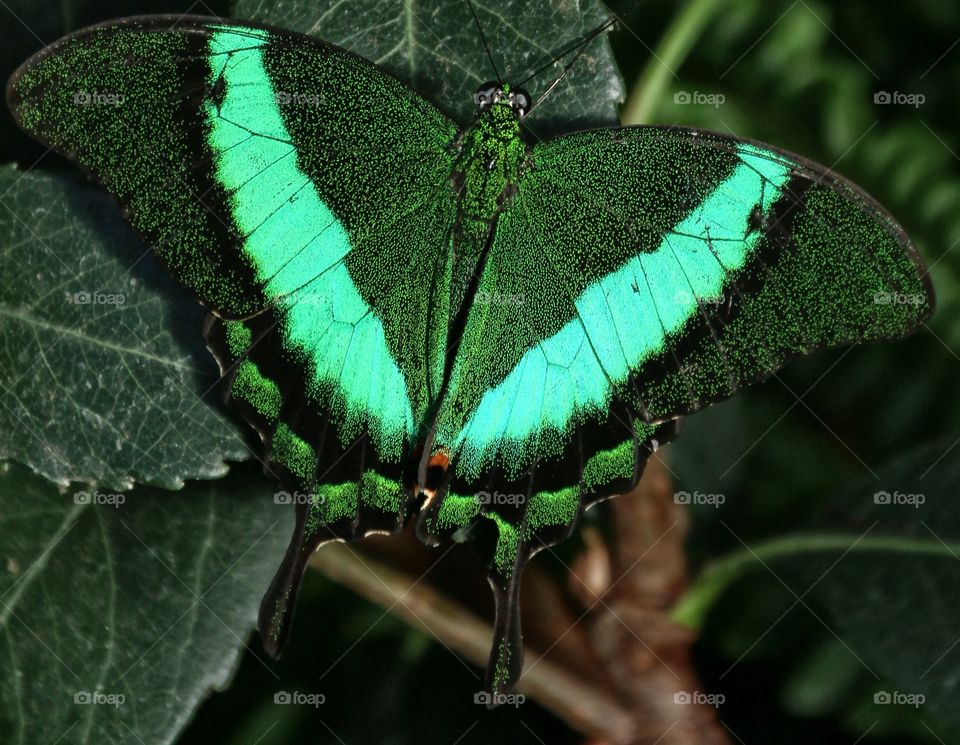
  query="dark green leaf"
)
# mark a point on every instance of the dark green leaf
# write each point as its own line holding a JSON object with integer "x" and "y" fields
{"x": 149, "y": 600}
{"x": 885, "y": 571}
{"x": 436, "y": 48}
{"x": 104, "y": 375}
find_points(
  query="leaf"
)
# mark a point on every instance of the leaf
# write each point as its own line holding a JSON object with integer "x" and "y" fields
{"x": 149, "y": 600}
{"x": 885, "y": 566}
{"x": 103, "y": 374}
{"x": 437, "y": 49}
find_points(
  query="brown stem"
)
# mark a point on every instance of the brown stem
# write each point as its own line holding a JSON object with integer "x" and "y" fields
{"x": 465, "y": 634}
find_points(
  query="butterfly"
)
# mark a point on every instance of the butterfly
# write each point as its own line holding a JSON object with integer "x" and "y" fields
{"x": 456, "y": 323}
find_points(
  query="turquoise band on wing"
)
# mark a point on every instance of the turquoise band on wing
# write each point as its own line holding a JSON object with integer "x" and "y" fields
{"x": 625, "y": 317}
{"x": 298, "y": 252}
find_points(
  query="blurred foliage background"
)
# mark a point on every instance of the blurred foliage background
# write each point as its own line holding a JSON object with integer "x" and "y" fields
{"x": 797, "y": 458}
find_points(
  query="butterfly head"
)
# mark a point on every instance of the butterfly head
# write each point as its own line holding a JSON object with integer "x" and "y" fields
{"x": 492, "y": 94}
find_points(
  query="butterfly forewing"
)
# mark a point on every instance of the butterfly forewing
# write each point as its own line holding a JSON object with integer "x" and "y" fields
{"x": 663, "y": 269}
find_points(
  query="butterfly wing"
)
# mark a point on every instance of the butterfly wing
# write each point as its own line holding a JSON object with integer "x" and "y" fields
{"x": 302, "y": 195}
{"x": 638, "y": 275}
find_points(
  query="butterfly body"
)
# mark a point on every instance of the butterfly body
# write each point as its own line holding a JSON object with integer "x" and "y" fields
{"x": 455, "y": 323}
{"x": 491, "y": 160}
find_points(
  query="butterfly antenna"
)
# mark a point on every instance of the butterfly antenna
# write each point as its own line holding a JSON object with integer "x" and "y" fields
{"x": 579, "y": 45}
{"x": 483, "y": 38}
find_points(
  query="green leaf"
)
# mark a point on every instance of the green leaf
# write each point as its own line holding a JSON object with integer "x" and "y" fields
{"x": 103, "y": 374}
{"x": 149, "y": 600}
{"x": 674, "y": 46}
{"x": 435, "y": 47}
{"x": 885, "y": 569}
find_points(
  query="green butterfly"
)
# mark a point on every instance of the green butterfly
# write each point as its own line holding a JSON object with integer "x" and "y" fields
{"x": 456, "y": 322}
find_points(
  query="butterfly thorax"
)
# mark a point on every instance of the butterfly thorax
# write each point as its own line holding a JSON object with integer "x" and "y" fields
{"x": 491, "y": 161}
{"x": 491, "y": 158}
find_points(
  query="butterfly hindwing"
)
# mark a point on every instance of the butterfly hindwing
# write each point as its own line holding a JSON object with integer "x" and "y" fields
{"x": 339, "y": 491}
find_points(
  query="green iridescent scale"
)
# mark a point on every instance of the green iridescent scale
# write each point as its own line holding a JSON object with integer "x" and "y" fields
{"x": 449, "y": 322}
